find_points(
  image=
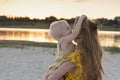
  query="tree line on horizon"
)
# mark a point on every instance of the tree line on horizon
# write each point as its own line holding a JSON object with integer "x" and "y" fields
{"x": 6, "y": 21}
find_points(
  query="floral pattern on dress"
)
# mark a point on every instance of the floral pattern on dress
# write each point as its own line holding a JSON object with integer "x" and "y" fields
{"x": 76, "y": 58}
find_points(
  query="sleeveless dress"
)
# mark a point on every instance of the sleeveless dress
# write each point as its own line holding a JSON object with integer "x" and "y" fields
{"x": 61, "y": 56}
{"x": 76, "y": 58}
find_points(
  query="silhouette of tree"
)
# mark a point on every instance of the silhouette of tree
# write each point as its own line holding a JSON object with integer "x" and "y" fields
{"x": 6, "y": 21}
{"x": 71, "y": 21}
{"x": 105, "y": 21}
{"x": 3, "y": 18}
{"x": 36, "y": 20}
{"x": 117, "y": 20}
{"x": 22, "y": 19}
{"x": 50, "y": 19}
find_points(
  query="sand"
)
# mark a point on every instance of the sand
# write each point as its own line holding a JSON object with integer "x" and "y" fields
{"x": 29, "y": 63}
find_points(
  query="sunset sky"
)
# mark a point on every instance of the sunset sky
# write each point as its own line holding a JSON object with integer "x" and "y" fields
{"x": 60, "y": 8}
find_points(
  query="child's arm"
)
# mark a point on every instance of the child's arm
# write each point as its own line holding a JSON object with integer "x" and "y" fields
{"x": 62, "y": 70}
{"x": 76, "y": 20}
{"x": 76, "y": 30}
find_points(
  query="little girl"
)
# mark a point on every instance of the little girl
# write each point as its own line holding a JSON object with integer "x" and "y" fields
{"x": 62, "y": 32}
{"x": 85, "y": 62}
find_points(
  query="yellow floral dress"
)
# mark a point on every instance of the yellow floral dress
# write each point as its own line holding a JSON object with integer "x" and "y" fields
{"x": 76, "y": 58}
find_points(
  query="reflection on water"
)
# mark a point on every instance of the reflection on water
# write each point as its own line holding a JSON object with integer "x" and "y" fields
{"x": 37, "y": 35}
{"x": 110, "y": 38}
{"x": 107, "y": 38}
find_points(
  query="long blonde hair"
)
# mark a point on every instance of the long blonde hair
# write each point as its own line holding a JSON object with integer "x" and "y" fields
{"x": 91, "y": 51}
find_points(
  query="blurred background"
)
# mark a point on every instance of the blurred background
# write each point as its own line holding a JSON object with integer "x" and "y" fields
{"x": 27, "y": 49}
{"x": 23, "y": 20}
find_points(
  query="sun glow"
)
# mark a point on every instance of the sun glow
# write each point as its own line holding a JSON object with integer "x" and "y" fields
{"x": 60, "y": 8}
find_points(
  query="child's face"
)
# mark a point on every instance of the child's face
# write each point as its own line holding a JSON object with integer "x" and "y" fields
{"x": 66, "y": 29}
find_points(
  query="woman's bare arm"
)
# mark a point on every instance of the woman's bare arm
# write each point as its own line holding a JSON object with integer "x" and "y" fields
{"x": 62, "y": 70}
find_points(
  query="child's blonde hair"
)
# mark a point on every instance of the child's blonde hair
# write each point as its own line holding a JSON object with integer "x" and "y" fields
{"x": 56, "y": 27}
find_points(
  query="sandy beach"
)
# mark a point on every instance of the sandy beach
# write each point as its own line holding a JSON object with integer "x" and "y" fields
{"x": 29, "y": 63}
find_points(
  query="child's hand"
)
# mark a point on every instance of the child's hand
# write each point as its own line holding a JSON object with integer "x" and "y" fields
{"x": 76, "y": 20}
{"x": 82, "y": 18}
